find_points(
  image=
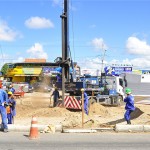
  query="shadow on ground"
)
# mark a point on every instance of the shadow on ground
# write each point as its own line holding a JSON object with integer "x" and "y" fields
{"x": 134, "y": 115}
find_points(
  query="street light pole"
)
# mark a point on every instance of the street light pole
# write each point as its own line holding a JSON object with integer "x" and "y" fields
{"x": 103, "y": 62}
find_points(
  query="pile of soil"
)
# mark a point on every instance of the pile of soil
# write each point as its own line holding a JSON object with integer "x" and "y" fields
{"x": 99, "y": 109}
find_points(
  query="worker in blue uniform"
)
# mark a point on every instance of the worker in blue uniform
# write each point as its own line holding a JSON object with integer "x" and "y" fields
{"x": 86, "y": 103}
{"x": 11, "y": 89}
{"x": 3, "y": 104}
{"x": 11, "y": 111}
{"x": 56, "y": 97}
{"x": 129, "y": 107}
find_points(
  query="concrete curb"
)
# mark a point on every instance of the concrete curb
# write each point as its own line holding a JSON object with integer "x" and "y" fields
{"x": 146, "y": 128}
{"x": 104, "y": 129}
{"x": 59, "y": 128}
{"x": 26, "y": 128}
{"x": 94, "y": 130}
{"x": 79, "y": 131}
{"x": 132, "y": 128}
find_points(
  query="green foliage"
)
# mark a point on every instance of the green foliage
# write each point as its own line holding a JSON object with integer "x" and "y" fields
{"x": 4, "y": 69}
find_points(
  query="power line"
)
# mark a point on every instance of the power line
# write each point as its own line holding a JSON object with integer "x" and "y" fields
{"x": 2, "y": 53}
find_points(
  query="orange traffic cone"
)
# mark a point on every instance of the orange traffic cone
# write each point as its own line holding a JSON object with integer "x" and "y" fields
{"x": 33, "y": 129}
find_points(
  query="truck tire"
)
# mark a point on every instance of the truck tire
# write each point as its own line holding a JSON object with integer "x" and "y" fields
{"x": 119, "y": 100}
{"x": 113, "y": 100}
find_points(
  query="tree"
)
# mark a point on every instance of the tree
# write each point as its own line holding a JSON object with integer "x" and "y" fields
{"x": 4, "y": 69}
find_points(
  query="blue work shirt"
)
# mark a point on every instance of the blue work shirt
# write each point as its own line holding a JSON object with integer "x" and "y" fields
{"x": 56, "y": 95}
{"x": 13, "y": 105}
{"x": 129, "y": 100}
{"x": 3, "y": 96}
{"x": 12, "y": 90}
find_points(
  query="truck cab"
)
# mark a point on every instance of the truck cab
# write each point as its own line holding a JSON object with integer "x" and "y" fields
{"x": 114, "y": 82}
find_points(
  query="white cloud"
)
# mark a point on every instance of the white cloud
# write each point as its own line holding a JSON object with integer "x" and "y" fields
{"x": 138, "y": 63}
{"x": 56, "y": 2}
{"x": 99, "y": 44}
{"x": 6, "y": 33}
{"x": 137, "y": 47}
{"x": 38, "y": 23}
{"x": 36, "y": 51}
{"x": 19, "y": 59}
{"x": 94, "y": 65}
{"x": 141, "y": 63}
{"x": 134, "y": 46}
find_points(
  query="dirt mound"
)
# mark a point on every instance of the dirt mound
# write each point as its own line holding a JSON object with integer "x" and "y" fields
{"x": 98, "y": 109}
{"x": 24, "y": 111}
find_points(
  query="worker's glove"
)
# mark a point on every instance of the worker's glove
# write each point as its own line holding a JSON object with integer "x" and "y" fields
{"x": 5, "y": 105}
{"x": 10, "y": 104}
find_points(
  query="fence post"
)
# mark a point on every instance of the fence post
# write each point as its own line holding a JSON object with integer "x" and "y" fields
{"x": 82, "y": 90}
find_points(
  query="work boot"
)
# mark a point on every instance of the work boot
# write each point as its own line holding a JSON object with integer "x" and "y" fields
{"x": 128, "y": 122}
{"x": 5, "y": 130}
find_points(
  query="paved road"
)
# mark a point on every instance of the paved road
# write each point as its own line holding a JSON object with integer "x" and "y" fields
{"x": 100, "y": 141}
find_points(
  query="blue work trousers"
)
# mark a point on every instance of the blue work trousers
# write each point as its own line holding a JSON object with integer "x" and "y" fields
{"x": 86, "y": 107}
{"x": 127, "y": 114}
{"x": 3, "y": 116}
{"x": 10, "y": 118}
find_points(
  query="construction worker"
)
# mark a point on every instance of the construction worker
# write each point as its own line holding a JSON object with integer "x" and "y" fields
{"x": 11, "y": 111}
{"x": 56, "y": 96}
{"x": 11, "y": 88}
{"x": 129, "y": 107}
{"x": 85, "y": 103}
{"x": 3, "y": 104}
{"x": 33, "y": 81}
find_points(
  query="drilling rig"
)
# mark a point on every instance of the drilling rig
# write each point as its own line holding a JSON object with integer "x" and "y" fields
{"x": 69, "y": 83}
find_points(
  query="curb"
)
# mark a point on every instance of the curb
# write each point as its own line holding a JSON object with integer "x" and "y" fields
{"x": 79, "y": 131}
{"x": 59, "y": 128}
{"x": 94, "y": 130}
{"x": 104, "y": 129}
{"x": 132, "y": 128}
{"x": 26, "y": 128}
{"x": 146, "y": 128}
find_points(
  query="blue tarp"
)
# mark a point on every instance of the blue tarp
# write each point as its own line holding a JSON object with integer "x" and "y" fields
{"x": 59, "y": 69}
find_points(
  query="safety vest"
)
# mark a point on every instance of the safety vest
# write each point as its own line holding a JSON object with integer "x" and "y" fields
{"x": 8, "y": 109}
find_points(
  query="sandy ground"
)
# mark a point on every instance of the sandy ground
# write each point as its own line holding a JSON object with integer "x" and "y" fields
{"x": 38, "y": 104}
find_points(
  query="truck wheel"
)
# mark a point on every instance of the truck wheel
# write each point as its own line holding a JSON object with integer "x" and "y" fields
{"x": 119, "y": 100}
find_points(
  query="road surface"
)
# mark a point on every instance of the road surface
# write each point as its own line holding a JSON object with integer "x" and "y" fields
{"x": 96, "y": 141}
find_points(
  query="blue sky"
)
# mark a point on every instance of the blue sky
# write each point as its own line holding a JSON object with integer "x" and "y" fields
{"x": 32, "y": 29}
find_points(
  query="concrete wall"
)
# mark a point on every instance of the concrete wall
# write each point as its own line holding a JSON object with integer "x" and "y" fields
{"x": 139, "y": 85}
{"x": 133, "y": 78}
{"x": 145, "y": 78}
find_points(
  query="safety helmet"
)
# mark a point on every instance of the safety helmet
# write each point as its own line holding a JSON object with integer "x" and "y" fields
{"x": 10, "y": 93}
{"x": 128, "y": 91}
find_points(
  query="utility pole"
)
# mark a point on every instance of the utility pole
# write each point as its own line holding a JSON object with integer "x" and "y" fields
{"x": 103, "y": 61}
{"x": 65, "y": 48}
{"x": 103, "y": 56}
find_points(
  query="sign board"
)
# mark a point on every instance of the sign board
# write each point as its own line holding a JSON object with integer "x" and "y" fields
{"x": 32, "y": 70}
{"x": 145, "y": 71}
{"x": 35, "y": 60}
{"x": 120, "y": 70}
{"x": 47, "y": 70}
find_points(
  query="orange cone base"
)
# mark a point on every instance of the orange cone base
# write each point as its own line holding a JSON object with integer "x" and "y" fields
{"x": 33, "y": 134}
